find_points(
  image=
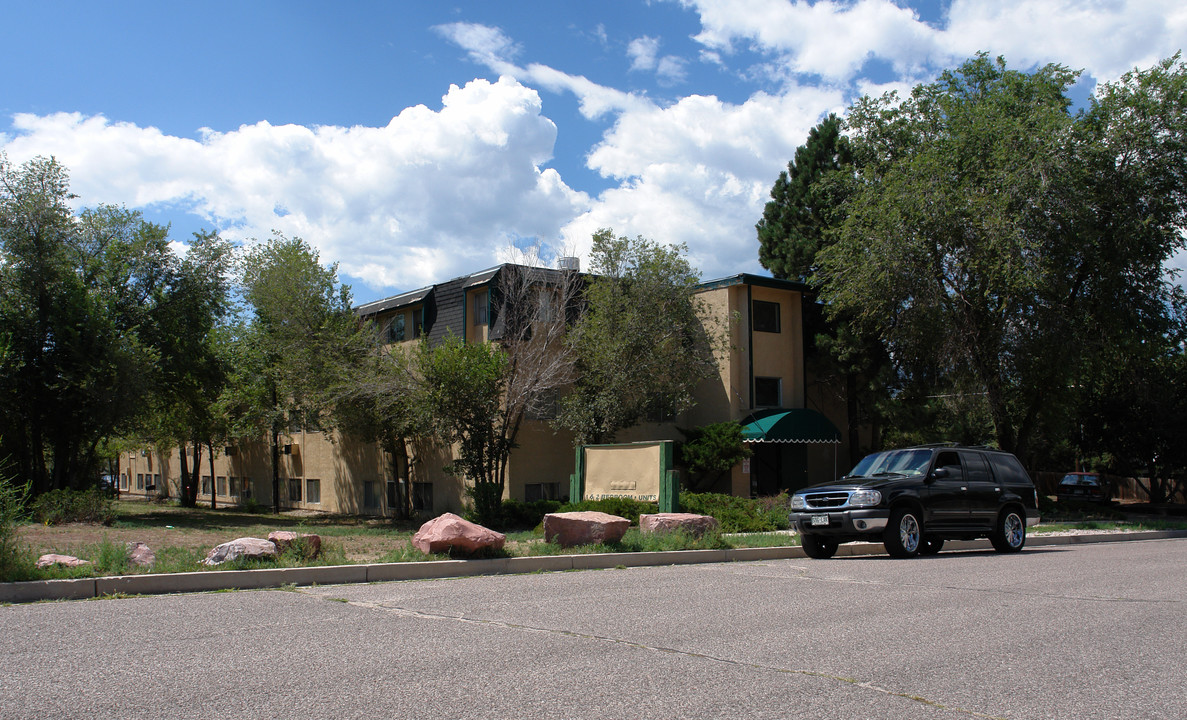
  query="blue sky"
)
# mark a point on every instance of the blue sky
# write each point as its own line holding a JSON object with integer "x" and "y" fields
{"x": 413, "y": 142}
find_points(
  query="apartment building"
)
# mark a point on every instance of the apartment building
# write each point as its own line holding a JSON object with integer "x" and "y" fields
{"x": 761, "y": 383}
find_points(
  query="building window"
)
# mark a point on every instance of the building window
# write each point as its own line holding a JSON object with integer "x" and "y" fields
{"x": 205, "y": 485}
{"x": 395, "y": 329}
{"x": 481, "y": 306}
{"x": 313, "y": 491}
{"x": 295, "y": 490}
{"x": 246, "y": 488}
{"x": 123, "y": 482}
{"x": 156, "y": 480}
{"x": 545, "y": 306}
{"x": 370, "y": 495}
{"x": 222, "y": 486}
{"x": 766, "y": 316}
{"x": 139, "y": 481}
{"x": 418, "y": 322}
{"x": 541, "y": 491}
{"x": 768, "y": 392}
{"x": 234, "y": 487}
{"x": 422, "y": 497}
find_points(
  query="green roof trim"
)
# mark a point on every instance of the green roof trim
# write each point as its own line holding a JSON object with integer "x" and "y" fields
{"x": 788, "y": 425}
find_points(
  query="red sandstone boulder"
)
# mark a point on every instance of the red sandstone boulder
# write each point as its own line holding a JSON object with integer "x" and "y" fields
{"x": 307, "y": 544}
{"x": 140, "y": 555}
{"x": 584, "y": 528}
{"x": 246, "y": 547}
{"x": 694, "y": 525}
{"x": 449, "y": 531}
{"x": 64, "y": 560}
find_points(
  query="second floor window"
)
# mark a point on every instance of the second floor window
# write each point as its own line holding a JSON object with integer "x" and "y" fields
{"x": 418, "y": 322}
{"x": 395, "y": 330}
{"x": 768, "y": 392}
{"x": 481, "y": 308}
{"x": 766, "y": 316}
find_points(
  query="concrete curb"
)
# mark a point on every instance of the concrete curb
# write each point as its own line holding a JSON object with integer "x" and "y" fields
{"x": 164, "y": 583}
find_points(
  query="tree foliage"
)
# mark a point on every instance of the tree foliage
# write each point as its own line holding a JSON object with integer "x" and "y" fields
{"x": 806, "y": 203}
{"x": 463, "y": 388}
{"x": 640, "y": 344}
{"x": 710, "y": 451}
{"x": 81, "y": 303}
{"x": 999, "y": 245}
{"x": 300, "y": 338}
{"x": 806, "y": 211}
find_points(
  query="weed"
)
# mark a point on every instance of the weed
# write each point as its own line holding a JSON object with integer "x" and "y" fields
{"x": 111, "y": 558}
{"x": 12, "y": 513}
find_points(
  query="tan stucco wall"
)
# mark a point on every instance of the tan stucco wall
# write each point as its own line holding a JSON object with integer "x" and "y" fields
{"x": 780, "y": 354}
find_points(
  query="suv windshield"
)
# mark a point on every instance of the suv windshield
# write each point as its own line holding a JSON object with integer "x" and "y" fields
{"x": 893, "y": 462}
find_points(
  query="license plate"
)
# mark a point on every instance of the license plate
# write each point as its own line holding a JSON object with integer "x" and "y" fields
{"x": 815, "y": 520}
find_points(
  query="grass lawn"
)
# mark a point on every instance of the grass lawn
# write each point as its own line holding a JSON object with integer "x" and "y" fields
{"x": 181, "y": 537}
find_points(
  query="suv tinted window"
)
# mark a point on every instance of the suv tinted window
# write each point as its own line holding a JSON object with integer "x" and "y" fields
{"x": 976, "y": 468}
{"x": 1007, "y": 469}
{"x": 949, "y": 459}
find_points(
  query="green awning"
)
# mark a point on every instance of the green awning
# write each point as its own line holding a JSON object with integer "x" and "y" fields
{"x": 788, "y": 425}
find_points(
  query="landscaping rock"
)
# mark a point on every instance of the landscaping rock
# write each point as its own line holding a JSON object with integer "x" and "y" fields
{"x": 694, "y": 525}
{"x": 64, "y": 560}
{"x": 140, "y": 555}
{"x": 584, "y": 528}
{"x": 450, "y": 531}
{"x": 246, "y": 547}
{"x": 308, "y": 543}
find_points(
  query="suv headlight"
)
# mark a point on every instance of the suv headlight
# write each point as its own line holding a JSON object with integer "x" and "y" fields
{"x": 864, "y": 498}
{"x": 797, "y": 503}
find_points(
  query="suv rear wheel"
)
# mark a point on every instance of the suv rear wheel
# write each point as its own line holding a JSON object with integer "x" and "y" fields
{"x": 818, "y": 547}
{"x": 904, "y": 534}
{"x": 1009, "y": 535}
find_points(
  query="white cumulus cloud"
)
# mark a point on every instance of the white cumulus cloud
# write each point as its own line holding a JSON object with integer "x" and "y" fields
{"x": 433, "y": 194}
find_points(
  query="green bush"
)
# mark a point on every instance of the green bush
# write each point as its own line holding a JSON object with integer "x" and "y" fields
{"x": 738, "y": 514}
{"x": 515, "y": 515}
{"x": 252, "y": 506}
{"x": 622, "y": 507}
{"x": 62, "y": 506}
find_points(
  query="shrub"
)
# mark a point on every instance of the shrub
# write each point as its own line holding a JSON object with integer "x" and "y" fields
{"x": 62, "y": 506}
{"x": 252, "y": 506}
{"x": 515, "y": 515}
{"x": 738, "y": 514}
{"x": 487, "y": 504}
{"x": 622, "y": 507}
{"x": 710, "y": 452}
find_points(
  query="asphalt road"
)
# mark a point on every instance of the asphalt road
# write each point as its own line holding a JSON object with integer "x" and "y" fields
{"x": 1090, "y": 631}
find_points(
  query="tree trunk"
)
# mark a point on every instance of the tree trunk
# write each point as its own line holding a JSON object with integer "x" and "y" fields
{"x": 275, "y": 456}
{"x": 184, "y": 464}
{"x": 213, "y": 481}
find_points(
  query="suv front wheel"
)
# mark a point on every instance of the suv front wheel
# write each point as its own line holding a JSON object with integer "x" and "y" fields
{"x": 817, "y": 547}
{"x": 904, "y": 533}
{"x": 1009, "y": 535}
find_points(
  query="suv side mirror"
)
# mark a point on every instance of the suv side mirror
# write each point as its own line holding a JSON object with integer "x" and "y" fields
{"x": 939, "y": 473}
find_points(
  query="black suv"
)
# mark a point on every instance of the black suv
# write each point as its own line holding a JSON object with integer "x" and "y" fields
{"x": 914, "y": 499}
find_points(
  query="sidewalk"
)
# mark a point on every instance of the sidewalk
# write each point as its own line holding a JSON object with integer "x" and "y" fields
{"x": 164, "y": 583}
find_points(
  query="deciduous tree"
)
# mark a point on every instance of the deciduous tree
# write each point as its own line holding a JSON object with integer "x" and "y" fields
{"x": 641, "y": 342}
